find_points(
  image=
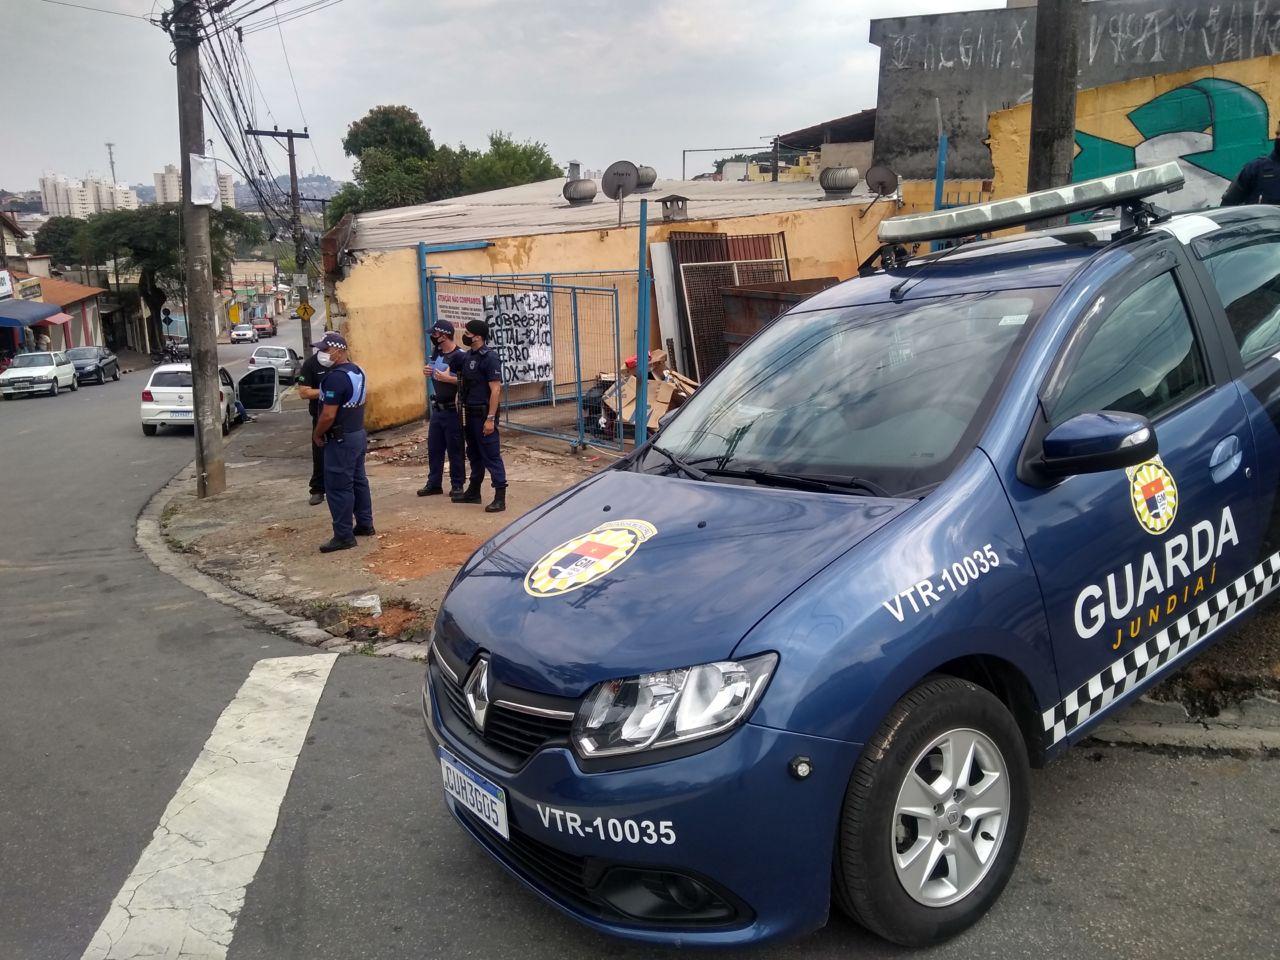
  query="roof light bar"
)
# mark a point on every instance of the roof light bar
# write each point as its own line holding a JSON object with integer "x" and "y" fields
{"x": 983, "y": 217}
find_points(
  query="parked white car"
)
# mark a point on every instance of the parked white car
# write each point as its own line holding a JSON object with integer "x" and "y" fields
{"x": 286, "y": 361}
{"x": 167, "y": 399}
{"x": 244, "y": 333}
{"x": 45, "y": 372}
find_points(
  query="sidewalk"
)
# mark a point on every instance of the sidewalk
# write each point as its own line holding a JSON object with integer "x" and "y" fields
{"x": 261, "y": 537}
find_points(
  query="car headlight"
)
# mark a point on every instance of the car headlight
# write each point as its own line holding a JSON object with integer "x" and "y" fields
{"x": 670, "y": 707}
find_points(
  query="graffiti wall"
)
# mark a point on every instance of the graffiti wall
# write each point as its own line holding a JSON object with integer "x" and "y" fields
{"x": 1212, "y": 120}
{"x": 969, "y": 65}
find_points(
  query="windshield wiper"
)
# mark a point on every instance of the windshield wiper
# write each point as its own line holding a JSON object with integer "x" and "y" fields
{"x": 688, "y": 469}
{"x": 767, "y": 478}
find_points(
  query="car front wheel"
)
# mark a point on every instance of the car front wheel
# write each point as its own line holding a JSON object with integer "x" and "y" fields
{"x": 53, "y": 390}
{"x": 75, "y": 384}
{"x": 934, "y": 815}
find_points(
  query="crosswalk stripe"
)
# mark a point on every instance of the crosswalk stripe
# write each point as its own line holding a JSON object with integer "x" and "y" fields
{"x": 183, "y": 897}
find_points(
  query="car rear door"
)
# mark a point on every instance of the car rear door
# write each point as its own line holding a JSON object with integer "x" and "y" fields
{"x": 1130, "y": 561}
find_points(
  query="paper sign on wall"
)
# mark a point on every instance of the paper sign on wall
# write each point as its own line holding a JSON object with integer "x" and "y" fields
{"x": 458, "y": 308}
{"x": 520, "y": 329}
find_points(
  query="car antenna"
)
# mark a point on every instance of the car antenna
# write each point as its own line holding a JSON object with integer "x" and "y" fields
{"x": 896, "y": 292}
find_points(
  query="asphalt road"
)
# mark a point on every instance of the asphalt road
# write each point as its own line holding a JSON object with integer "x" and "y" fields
{"x": 113, "y": 678}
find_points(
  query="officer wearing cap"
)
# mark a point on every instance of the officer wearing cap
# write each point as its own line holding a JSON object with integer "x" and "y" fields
{"x": 340, "y": 430}
{"x": 481, "y": 391}
{"x": 444, "y": 425}
{"x": 1258, "y": 181}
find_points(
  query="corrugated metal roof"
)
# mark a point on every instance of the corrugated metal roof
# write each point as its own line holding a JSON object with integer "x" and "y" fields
{"x": 540, "y": 208}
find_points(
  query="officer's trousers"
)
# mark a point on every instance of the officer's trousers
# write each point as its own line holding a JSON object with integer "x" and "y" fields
{"x": 444, "y": 435}
{"x": 346, "y": 488}
{"x": 484, "y": 453}
{"x": 317, "y": 465}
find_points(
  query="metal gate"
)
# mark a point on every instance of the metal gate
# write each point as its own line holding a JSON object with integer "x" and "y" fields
{"x": 563, "y": 339}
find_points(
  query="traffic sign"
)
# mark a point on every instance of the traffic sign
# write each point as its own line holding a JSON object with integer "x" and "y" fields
{"x": 306, "y": 311}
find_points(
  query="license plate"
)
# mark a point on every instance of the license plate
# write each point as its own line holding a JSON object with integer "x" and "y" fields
{"x": 181, "y": 414}
{"x": 481, "y": 796}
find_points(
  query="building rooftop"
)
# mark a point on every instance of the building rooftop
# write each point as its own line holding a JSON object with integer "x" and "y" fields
{"x": 540, "y": 208}
{"x": 63, "y": 293}
{"x": 855, "y": 128}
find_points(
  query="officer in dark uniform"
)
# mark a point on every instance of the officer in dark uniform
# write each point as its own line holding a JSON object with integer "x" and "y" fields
{"x": 340, "y": 430}
{"x": 1258, "y": 182}
{"x": 444, "y": 429}
{"x": 481, "y": 391}
{"x": 309, "y": 390}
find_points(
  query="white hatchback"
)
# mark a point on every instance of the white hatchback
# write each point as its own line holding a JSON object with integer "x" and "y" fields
{"x": 167, "y": 399}
{"x": 45, "y": 372}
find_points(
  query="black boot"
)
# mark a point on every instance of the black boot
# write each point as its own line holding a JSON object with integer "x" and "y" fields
{"x": 469, "y": 495}
{"x": 335, "y": 544}
{"x": 430, "y": 491}
{"x": 499, "y": 501}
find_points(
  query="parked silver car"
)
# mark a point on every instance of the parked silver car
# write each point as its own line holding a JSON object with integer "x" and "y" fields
{"x": 284, "y": 359}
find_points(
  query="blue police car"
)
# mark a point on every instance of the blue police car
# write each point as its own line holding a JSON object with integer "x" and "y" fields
{"x": 916, "y": 537}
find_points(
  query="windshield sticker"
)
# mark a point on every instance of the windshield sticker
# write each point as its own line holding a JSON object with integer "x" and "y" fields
{"x": 1016, "y": 320}
{"x": 1145, "y": 593}
{"x": 1154, "y": 495}
{"x": 950, "y": 579}
{"x": 584, "y": 559}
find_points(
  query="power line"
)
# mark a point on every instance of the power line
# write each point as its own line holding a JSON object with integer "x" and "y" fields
{"x": 296, "y": 14}
{"x": 297, "y": 99}
{"x": 81, "y": 6}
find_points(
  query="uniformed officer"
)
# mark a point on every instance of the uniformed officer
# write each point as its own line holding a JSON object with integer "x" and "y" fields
{"x": 340, "y": 430}
{"x": 481, "y": 391}
{"x": 1258, "y": 182}
{"x": 444, "y": 429}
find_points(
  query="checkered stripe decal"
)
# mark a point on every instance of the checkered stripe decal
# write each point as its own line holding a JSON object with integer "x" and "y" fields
{"x": 1157, "y": 653}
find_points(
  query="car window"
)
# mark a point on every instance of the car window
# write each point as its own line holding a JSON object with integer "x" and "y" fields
{"x": 1248, "y": 281}
{"x": 83, "y": 353}
{"x": 171, "y": 378}
{"x": 33, "y": 360}
{"x": 225, "y": 377}
{"x": 270, "y": 352}
{"x": 1141, "y": 358}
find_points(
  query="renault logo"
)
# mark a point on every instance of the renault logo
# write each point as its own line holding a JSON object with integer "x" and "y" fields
{"x": 476, "y": 690}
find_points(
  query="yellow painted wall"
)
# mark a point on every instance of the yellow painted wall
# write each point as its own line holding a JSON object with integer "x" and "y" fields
{"x": 383, "y": 311}
{"x": 1103, "y": 112}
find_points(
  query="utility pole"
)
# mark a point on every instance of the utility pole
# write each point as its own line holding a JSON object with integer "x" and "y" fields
{"x": 1053, "y": 96}
{"x": 211, "y": 469}
{"x": 115, "y": 254}
{"x": 289, "y": 136}
{"x": 774, "y": 178}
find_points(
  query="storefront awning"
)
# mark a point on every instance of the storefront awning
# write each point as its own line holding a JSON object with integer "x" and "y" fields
{"x": 24, "y": 313}
{"x": 60, "y": 318}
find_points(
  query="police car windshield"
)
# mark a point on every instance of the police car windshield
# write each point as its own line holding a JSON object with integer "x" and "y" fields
{"x": 891, "y": 393}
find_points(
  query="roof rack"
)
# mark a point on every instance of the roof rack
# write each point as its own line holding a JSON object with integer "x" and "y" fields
{"x": 1126, "y": 190}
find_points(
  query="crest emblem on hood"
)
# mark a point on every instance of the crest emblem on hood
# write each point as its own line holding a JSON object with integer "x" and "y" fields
{"x": 586, "y": 558}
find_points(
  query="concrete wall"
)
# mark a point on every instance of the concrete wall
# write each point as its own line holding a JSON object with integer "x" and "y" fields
{"x": 1211, "y": 119}
{"x": 979, "y": 62}
{"x": 846, "y": 155}
{"x": 381, "y": 308}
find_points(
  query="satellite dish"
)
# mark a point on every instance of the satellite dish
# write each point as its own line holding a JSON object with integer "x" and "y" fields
{"x": 881, "y": 180}
{"x": 619, "y": 180}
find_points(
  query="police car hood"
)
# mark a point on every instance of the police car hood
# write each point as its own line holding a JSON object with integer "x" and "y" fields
{"x": 632, "y": 572}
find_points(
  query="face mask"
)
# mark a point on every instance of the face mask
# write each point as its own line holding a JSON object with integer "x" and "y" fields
{"x": 324, "y": 359}
{"x": 468, "y": 340}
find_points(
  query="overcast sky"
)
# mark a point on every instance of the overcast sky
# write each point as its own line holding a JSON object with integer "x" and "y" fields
{"x": 596, "y": 80}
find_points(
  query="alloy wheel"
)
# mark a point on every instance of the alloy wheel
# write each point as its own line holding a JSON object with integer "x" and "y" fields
{"x": 950, "y": 817}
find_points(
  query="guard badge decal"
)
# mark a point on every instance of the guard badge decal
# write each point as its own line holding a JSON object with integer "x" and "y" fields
{"x": 586, "y": 558}
{"x": 1153, "y": 494}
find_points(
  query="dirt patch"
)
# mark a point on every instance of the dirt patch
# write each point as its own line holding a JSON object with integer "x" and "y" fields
{"x": 412, "y": 554}
{"x": 395, "y": 620}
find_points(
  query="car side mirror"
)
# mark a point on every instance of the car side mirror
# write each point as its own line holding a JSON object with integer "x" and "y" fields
{"x": 1095, "y": 442}
{"x": 258, "y": 389}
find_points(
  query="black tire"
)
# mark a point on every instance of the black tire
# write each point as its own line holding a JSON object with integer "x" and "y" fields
{"x": 53, "y": 390}
{"x": 226, "y": 424}
{"x": 149, "y": 429}
{"x": 75, "y": 384}
{"x": 866, "y": 885}
{"x": 102, "y": 376}
{"x": 115, "y": 373}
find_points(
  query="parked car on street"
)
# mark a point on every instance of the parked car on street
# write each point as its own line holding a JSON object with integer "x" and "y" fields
{"x": 244, "y": 333}
{"x": 167, "y": 399}
{"x": 918, "y": 535}
{"x": 94, "y": 363}
{"x": 287, "y": 363}
{"x": 40, "y": 372}
{"x": 265, "y": 326}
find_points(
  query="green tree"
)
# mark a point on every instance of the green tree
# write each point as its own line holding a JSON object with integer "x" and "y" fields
{"x": 508, "y": 164}
{"x": 62, "y": 238}
{"x": 396, "y": 129}
{"x": 149, "y": 240}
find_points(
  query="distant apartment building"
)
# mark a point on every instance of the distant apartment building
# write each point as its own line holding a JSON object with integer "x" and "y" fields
{"x": 169, "y": 186}
{"x": 65, "y": 197}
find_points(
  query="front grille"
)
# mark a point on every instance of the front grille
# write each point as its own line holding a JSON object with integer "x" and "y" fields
{"x": 511, "y": 734}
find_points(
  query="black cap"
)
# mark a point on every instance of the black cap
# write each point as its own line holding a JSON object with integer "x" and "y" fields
{"x": 443, "y": 328}
{"x": 479, "y": 327}
{"x": 331, "y": 339}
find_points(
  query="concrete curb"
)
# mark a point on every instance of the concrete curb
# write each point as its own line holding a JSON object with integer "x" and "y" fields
{"x": 151, "y": 541}
{"x": 1252, "y": 725}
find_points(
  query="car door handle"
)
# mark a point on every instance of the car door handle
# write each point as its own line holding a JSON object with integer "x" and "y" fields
{"x": 1226, "y": 458}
